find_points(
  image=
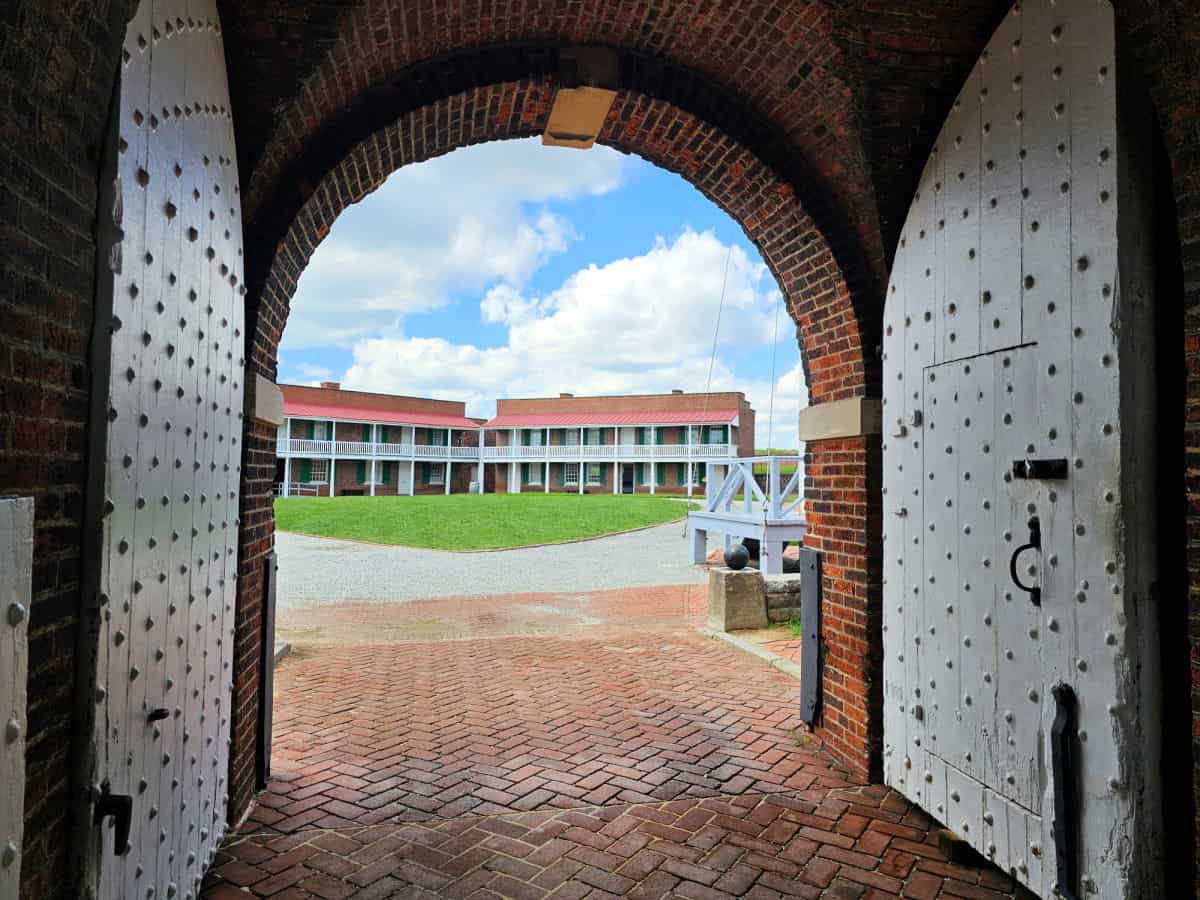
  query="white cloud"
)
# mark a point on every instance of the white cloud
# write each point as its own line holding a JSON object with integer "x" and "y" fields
{"x": 461, "y": 222}
{"x": 636, "y": 325}
{"x": 320, "y": 373}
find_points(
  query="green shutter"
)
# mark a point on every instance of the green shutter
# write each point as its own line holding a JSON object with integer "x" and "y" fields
{"x": 562, "y": 473}
{"x": 306, "y": 470}
{"x": 425, "y": 473}
{"x": 681, "y": 474}
{"x": 310, "y": 429}
{"x": 585, "y": 436}
{"x": 658, "y": 435}
{"x": 641, "y": 435}
{"x": 386, "y": 475}
{"x": 383, "y": 434}
{"x": 524, "y": 473}
{"x": 639, "y": 471}
{"x": 361, "y": 473}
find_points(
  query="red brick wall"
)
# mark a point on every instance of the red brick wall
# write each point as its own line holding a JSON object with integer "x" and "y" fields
{"x": 255, "y": 539}
{"x": 622, "y": 403}
{"x": 366, "y": 400}
{"x": 842, "y": 503}
{"x": 745, "y": 436}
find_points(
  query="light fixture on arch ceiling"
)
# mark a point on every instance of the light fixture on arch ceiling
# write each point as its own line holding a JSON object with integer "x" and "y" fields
{"x": 587, "y": 82}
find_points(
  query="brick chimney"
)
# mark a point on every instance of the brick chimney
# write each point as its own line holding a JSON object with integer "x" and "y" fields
{"x": 676, "y": 391}
{"x": 331, "y": 385}
{"x": 563, "y": 395}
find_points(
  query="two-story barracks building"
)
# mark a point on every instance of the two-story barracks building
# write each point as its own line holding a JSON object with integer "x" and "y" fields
{"x": 336, "y": 443}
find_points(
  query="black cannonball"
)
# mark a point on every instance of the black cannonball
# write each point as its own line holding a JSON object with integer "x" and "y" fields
{"x": 737, "y": 556}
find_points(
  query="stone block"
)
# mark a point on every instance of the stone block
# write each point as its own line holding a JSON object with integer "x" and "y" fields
{"x": 736, "y": 600}
{"x": 783, "y": 596}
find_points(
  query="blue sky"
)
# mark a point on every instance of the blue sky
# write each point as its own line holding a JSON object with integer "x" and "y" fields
{"x": 511, "y": 269}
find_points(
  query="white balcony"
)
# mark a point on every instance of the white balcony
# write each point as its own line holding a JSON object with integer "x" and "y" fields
{"x": 657, "y": 452}
{"x": 351, "y": 449}
{"x": 593, "y": 452}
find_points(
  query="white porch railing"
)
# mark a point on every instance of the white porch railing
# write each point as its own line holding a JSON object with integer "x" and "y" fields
{"x": 355, "y": 448}
{"x": 772, "y": 517}
{"x": 297, "y": 489}
{"x": 661, "y": 452}
{"x": 301, "y": 447}
{"x": 316, "y": 448}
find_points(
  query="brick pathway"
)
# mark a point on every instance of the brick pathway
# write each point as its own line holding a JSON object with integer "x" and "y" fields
{"x": 475, "y": 750}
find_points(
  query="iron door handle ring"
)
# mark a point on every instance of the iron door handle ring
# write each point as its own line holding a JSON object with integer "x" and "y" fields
{"x": 1035, "y": 543}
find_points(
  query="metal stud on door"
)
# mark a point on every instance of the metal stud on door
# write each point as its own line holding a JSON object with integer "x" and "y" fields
{"x": 1019, "y": 669}
{"x": 169, "y": 514}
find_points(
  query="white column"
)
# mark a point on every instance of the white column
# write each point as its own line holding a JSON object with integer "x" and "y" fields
{"x": 653, "y": 451}
{"x": 691, "y": 466}
{"x": 582, "y": 474}
{"x": 374, "y": 439}
{"x": 546, "y": 475}
{"x": 332, "y": 459}
{"x": 446, "y": 477}
{"x": 287, "y": 459}
{"x": 482, "y": 441}
{"x": 412, "y": 472}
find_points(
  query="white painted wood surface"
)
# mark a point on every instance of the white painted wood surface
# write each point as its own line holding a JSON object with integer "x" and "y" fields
{"x": 16, "y": 587}
{"x": 1016, "y": 327}
{"x": 168, "y": 567}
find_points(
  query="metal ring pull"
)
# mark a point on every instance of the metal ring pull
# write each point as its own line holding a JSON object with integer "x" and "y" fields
{"x": 1035, "y": 543}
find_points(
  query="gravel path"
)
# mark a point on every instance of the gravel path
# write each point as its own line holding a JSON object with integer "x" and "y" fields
{"x": 319, "y": 570}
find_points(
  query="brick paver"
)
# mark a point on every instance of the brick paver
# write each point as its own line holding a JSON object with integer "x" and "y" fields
{"x": 621, "y": 754}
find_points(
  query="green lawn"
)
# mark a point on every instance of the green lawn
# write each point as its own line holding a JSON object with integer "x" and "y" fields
{"x": 473, "y": 521}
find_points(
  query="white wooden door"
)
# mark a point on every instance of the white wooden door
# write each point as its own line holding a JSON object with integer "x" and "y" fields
{"x": 1017, "y": 329}
{"x": 168, "y": 565}
{"x": 403, "y": 476}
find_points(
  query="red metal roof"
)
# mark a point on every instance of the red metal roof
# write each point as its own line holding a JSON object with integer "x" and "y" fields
{"x": 385, "y": 416}
{"x": 630, "y": 417}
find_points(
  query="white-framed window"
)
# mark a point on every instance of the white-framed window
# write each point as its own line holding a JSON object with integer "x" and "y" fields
{"x": 571, "y": 473}
{"x": 595, "y": 436}
{"x": 570, "y": 437}
{"x": 535, "y": 437}
{"x": 647, "y": 474}
{"x": 437, "y": 473}
{"x": 595, "y": 474}
{"x": 318, "y": 472}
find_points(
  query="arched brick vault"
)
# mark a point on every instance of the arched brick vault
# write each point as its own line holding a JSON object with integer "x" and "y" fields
{"x": 708, "y": 137}
{"x": 786, "y": 69}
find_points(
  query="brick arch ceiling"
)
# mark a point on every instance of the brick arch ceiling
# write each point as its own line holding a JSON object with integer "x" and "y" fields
{"x": 774, "y": 56}
{"x": 767, "y": 207}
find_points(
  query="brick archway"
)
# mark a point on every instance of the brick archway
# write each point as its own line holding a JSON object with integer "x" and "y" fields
{"x": 819, "y": 297}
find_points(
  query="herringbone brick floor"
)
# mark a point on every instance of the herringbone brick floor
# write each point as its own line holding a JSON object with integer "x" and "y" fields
{"x": 597, "y": 759}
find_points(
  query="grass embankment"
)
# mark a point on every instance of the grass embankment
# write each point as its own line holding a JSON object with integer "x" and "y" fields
{"x": 472, "y": 521}
{"x": 784, "y": 468}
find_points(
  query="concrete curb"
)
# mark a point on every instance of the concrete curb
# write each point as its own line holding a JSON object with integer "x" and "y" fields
{"x": 786, "y": 666}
